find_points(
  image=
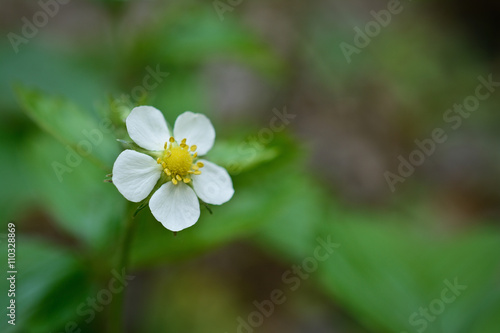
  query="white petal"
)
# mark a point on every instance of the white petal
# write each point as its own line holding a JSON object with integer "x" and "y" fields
{"x": 135, "y": 174}
{"x": 214, "y": 185}
{"x": 175, "y": 206}
{"x": 197, "y": 129}
{"x": 147, "y": 127}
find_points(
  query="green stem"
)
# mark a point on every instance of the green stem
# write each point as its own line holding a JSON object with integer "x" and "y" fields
{"x": 116, "y": 318}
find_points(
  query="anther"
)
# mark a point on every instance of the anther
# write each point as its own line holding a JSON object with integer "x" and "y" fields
{"x": 193, "y": 147}
{"x": 179, "y": 178}
{"x": 197, "y": 172}
{"x": 200, "y": 164}
{"x": 174, "y": 181}
{"x": 172, "y": 140}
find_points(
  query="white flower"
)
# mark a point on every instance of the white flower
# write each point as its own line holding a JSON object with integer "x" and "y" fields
{"x": 176, "y": 162}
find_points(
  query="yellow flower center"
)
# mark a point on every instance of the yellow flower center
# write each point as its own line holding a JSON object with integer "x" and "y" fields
{"x": 178, "y": 161}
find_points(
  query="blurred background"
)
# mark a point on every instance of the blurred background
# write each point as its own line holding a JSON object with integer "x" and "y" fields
{"x": 415, "y": 254}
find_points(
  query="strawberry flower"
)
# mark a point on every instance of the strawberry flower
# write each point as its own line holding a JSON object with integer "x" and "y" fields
{"x": 173, "y": 161}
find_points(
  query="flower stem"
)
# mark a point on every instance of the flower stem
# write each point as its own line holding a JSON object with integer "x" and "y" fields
{"x": 116, "y": 318}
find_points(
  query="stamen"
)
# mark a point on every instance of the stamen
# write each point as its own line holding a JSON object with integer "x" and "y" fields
{"x": 178, "y": 161}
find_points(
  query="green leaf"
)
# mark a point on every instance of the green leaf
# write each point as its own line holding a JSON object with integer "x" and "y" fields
{"x": 78, "y": 131}
{"x": 241, "y": 156}
{"x": 59, "y": 306}
{"x": 41, "y": 270}
{"x": 77, "y": 197}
